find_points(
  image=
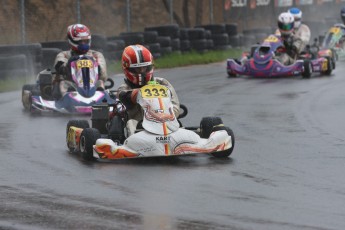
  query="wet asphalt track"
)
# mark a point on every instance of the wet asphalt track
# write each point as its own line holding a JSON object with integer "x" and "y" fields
{"x": 286, "y": 171}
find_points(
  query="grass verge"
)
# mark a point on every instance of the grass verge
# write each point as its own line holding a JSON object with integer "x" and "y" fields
{"x": 177, "y": 59}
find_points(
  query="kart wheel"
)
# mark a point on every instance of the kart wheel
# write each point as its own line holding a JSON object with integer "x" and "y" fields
{"x": 111, "y": 83}
{"x": 88, "y": 138}
{"x": 329, "y": 66}
{"x": 28, "y": 91}
{"x": 117, "y": 130}
{"x": 308, "y": 69}
{"x": 184, "y": 110}
{"x": 207, "y": 124}
{"x": 232, "y": 75}
{"x": 225, "y": 153}
{"x": 76, "y": 123}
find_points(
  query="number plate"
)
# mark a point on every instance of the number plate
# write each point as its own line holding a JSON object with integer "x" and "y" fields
{"x": 84, "y": 64}
{"x": 154, "y": 91}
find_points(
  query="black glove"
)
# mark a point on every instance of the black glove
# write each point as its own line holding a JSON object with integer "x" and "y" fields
{"x": 288, "y": 42}
{"x": 126, "y": 98}
{"x": 60, "y": 68}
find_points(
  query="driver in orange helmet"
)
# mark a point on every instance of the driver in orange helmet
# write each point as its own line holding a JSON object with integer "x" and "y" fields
{"x": 137, "y": 65}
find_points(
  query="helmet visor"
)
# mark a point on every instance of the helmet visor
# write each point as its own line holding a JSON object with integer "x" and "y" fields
{"x": 140, "y": 70}
{"x": 285, "y": 27}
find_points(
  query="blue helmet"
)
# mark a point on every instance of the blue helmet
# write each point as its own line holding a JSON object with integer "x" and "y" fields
{"x": 342, "y": 14}
{"x": 297, "y": 14}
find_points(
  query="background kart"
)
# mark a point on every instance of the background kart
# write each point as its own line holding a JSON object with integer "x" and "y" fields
{"x": 160, "y": 134}
{"x": 80, "y": 96}
{"x": 261, "y": 61}
{"x": 334, "y": 40}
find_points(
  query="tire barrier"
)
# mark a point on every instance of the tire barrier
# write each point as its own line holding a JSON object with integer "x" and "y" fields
{"x": 132, "y": 38}
{"x": 49, "y": 55}
{"x": 14, "y": 66}
{"x": 172, "y": 30}
{"x": 63, "y": 45}
{"x": 115, "y": 47}
{"x": 99, "y": 42}
{"x": 155, "y": 49}
{"x": 33, "y": 53}
{"x": 161, "y": 40}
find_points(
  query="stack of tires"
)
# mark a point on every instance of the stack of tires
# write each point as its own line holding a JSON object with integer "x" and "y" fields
{"x": 254, "y": 36}
{"x": 49, "y": 55}
{"x": 184, "y": 40}
{"x": 218, "y": 35}
{"x": 151, "y": 42}
{"x": 168, "y": 37}
{"x": 234, "y": 37}
{"x": 99, "y": 42}
{"x": 19, "y": 60}
{"x": 115, "y": 47}
{"x": 198, "y": 40}
{"x": 147, "y": 38}
{"x": 50, "y": 50}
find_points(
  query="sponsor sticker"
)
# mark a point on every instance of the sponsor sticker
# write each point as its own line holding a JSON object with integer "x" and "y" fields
{"x": 283, "y": 3}
{"x": 262, "y": 2}
{"x": 238, "y": 3}
{"x": 163, "y": 139}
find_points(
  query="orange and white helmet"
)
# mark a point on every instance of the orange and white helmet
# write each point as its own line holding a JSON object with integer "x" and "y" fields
{"x": 79, "y": 38}
{"x": 137, "y": 64}
{"x": 286, "y": 23}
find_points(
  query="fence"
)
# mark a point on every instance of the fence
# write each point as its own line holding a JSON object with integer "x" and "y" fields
{"x": 162, "y": 25}
{"x": 31, "y": 21}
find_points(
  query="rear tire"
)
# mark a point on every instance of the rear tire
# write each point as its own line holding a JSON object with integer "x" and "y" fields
{"x": 88, "y": 138}
{"x": 207, "y": 124}
{"x": 225, "y": 153}
{"x": 307, "y": 69}
{"x": 329, "y": 66}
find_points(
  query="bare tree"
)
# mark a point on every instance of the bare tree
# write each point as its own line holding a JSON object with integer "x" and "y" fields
{"x": 175, "y": 16}
{"x": 185, "y": 10}
{"x": 198, "y": 12}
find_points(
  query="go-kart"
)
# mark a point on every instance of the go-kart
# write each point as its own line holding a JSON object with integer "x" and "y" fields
{"x": 80, "y": 94}
{"x": 160, "y": 134}
{"x": 263, "y": 61}
{"x": 334, "y": 40}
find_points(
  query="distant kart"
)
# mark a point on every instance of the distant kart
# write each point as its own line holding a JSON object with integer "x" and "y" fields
{"x": 261, "y": 62}
{"x": 335, "y": 40}
{"x": 80, "y": 96}
{"x": 160, "y": 134}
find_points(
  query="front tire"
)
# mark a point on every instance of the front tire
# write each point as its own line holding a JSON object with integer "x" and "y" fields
{"x": 28, "y": 90}
{"x": 88, "y": 138}
{"x": 83, "y": 124}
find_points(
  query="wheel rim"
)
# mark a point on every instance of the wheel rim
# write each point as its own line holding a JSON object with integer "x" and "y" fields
{"x": 82, "y": 144}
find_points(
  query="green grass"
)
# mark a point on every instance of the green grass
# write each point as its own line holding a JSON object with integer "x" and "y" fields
{"x": 13, "y": 84}
{"x": 176, "y": 59}
{"x": 172, "y": 60}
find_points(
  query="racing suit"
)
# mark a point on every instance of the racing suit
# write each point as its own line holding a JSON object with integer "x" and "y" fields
{"x": 294, "y": 44}
{"x": 134, "y": 110}
{"x": 60, "y": 64}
